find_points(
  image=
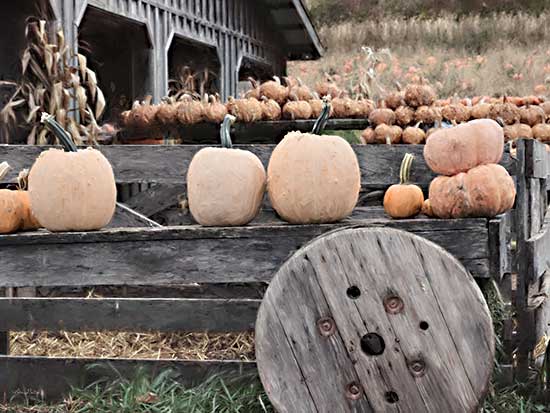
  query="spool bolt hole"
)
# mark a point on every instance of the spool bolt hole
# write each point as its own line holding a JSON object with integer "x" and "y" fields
{"x": 326, "y": 326}
{"x": 372, "y": 344}
{"x": 353, "y": 292}
{"x": 391, "y": 397}
{"x": 424, "y": 325}
{"x": 393, "y": 304}
{"x": 353, "y": 391}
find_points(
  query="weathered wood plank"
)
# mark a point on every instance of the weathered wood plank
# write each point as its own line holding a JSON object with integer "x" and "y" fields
{"x": 128, "y": 314}
{"x": 538, "y": 155}
{"x": 54, "y": 376}
{"x": 392, "y": 309}
{"x": 499, "y": 246}
{"x": 184, "y": 255}
{"x": 537, "y": 251}
{"x": 168, "y": 164}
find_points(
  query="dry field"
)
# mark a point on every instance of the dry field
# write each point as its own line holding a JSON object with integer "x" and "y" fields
{"x": 500, "y": 54}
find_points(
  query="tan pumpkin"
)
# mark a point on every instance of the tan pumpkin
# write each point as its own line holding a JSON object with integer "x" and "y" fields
{"x": 328, "y": 88}
{"x": 428, "y": 114}
{"x": 344, "y": 108}
{"x": 142, "y": 116}
{"x": 225, "y": 186}
{"x": 301, "y": 91}
{"x": 404, "y": 116}
{"x": 245, "y": 110}
{"x": 541, "y": 132}
{"x": 214, "y": 110}
{"x": 368, "y": 136}
{"x": 381, "y": 116}
{"x": 508, "y": 112}
{"x": 545, "y": 106}
{"x": 271, "y": 110}
{"x": 481, "y": 111}
{"x": 190, "y": 111}
{"x": 483, "y": 191}
{"x": 317, "y": 105}
{"x": 419, "y": 95}
{"x": 516, "y": 131}
{"x": 456, "y": 112}
{"x": 273, "y": 89}
{"x": 463, "y": 147}
{"x": 387, "y": 134}
{"x": 297, "y": 109}
{"x": 532, "y": 115}
{"x": 404, "y": 200}
{"x": 413, "y": 135}
{"x": 167, "y": 114}
{"x": 363, "y": 108}
{"x": 255, "y": 92}
{"x": 395, "y": 100}
{"x": 312, "y": 178}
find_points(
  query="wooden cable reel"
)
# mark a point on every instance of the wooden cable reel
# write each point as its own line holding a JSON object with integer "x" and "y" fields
{"x": 374, "y": 320}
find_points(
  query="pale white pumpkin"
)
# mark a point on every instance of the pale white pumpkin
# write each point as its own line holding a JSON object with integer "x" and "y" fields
{"x": 313, "y": 179}
{"x": 225, "y": 187}
{"x": 72, "y": 191}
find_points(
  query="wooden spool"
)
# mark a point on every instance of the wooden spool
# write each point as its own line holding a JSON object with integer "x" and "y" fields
{"x": 374, "y": 320}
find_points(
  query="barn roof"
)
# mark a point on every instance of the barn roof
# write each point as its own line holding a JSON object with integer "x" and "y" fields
{"x": 292, "y": 19}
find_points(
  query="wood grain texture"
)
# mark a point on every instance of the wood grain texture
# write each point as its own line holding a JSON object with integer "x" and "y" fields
{"x": 127, "y": 314}
{"x": 437, "y": 357}
{"x": 168, "y": 164}
{"x": 537, "y": 251}
{"x": 54, "y": 376}
{"x": 500, "y": 235}
{"x": 182, "y": 255}
{"x": 538, "y": 155}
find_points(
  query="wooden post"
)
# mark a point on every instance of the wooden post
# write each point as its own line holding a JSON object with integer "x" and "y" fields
{"x": 5, "y": 335}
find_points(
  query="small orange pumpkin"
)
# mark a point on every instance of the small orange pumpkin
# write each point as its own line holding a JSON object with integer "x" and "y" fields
{"x": 404, "y": 200}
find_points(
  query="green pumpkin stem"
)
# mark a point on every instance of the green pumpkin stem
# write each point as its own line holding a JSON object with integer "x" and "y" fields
{"x": 225, "y": 131}
{"x": 322, "y": 120}
{"x": 405, "y": 170}
{"x": 60, "y": 133}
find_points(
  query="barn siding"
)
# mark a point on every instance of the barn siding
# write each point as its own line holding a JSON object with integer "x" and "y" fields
{"x": 236, "y": 28}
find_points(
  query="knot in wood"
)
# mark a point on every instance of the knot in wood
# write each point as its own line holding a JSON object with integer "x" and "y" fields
{"x": 393, "y": 304}
{"x": 417, "y": 368}
{"x": 326, "y": 326}
{"x": 353, "y": 391}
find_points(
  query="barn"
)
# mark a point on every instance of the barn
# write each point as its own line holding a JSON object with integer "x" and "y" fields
{"x": 137, "y": 46}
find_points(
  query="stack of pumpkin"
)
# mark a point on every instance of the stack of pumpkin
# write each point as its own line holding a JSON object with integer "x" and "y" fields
{"x": 472, "y": 184}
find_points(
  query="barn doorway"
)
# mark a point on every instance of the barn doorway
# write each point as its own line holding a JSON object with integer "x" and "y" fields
{"x": 188, "y": 58}
{"x": 119, "y": 50}
{"x": 252, "y": 69}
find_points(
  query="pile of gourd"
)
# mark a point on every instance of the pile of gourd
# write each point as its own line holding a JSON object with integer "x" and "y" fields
{"x": 268, "y": 101}
{"x": 412, "y": 115}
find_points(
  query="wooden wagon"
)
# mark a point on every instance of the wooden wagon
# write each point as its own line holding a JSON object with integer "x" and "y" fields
{"x": 232, "y": 264}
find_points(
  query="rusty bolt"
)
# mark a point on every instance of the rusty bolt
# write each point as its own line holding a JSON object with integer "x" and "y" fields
{"x": 353, "y": 391}
{"x": 417, "y": 368}
{"x": 326, "y": 326}
{"x": 393, "y": 304}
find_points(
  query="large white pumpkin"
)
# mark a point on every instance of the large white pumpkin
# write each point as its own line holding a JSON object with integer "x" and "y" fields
{"x": 313, "y": 179}
{"x": 72, "y": 191}
{"x": 225, "y": 187}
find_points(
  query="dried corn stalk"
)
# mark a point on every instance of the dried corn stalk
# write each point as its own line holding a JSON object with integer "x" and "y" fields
{"x": 56, "y": 81}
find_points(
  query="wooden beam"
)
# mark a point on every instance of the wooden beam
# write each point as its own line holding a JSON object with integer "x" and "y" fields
{"x": 156, "y": 199}
{"x": 538, "y": 159}
{"x": 54, "y": 376}
{"x": 126, "y": 217}
{"x": 128, "y": 314}
{"x": 168, "y": 164}
{"x": 537, "y": 256}
{"x": 181, "y": 255}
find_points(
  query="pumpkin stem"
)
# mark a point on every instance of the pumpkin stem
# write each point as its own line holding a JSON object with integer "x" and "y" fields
{"x": 500, "y": 121}
{"x": 405, "y": 170}
{"x": 388, "y": 140}
{"x": 321, "y": 122}
{"x": 4, "y": 169}
{"x": 58, "y": 131}
{"x": 225, "y": 131}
